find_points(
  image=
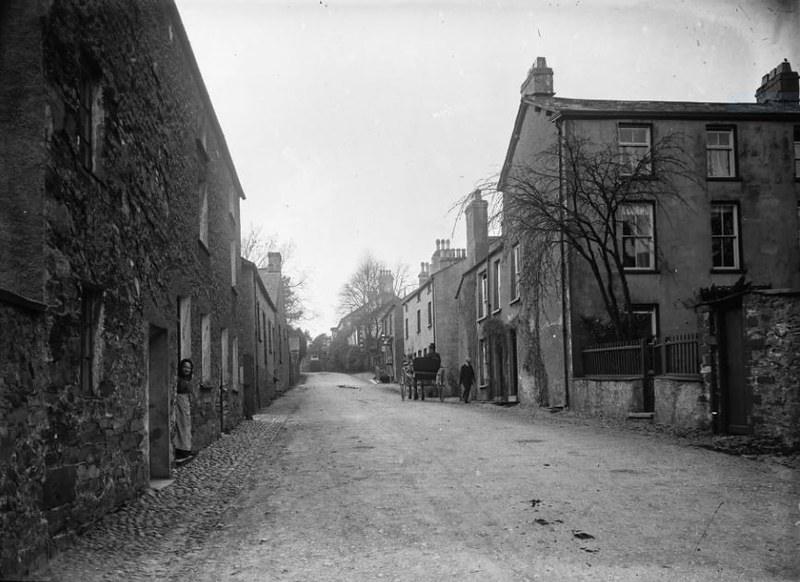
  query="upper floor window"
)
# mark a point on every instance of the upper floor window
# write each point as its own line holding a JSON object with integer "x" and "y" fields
{"x": 638, "y": 242}
{"x": 234, "y": 263}
{"x": 89, "y": 115}
{"x": 797, "y": 151}
{"x": 430, "y": 314}
{"x": 634, "y": 147}
{"x": 419, "y": 321}
{"x": 514, "y": 272}
{"x": 496, "y": 285}
{"x": 483, "y": 295}
{"x": 721, "y": 152}
{"x": 725, "y": 235}
{"x": 204, "y": 215}
{"x": 406, "y": 327}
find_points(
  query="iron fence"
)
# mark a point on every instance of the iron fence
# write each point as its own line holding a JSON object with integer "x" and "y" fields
{"x": 675, "y": 355}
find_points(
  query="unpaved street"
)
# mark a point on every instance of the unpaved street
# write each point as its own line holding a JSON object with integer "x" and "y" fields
{"x": 355, "y": 484}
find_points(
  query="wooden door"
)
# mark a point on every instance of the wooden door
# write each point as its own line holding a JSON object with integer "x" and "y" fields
{"x": 734, "y": 393}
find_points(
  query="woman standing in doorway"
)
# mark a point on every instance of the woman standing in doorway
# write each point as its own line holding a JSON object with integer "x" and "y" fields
{"x": 183, "y": 413}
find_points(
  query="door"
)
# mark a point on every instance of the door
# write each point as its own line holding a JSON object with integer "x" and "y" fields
{"x": 158, "y": 403}
{"x": 735, "y": 406}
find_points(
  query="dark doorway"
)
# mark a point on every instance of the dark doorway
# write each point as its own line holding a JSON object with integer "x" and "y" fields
{"x": 158, "y": 403}
{"x": 734, "y": 405}
{"x": 499, "y": 384}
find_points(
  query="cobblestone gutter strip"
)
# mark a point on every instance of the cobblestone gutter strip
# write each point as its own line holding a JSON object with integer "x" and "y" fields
{"x": 145, "y": 539}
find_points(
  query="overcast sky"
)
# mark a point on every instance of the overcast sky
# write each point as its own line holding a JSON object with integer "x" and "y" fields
{"x": 355, "y": 125}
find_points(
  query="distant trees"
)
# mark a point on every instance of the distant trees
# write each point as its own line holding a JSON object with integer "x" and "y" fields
{"x": 256, "y": 246}
{"x": 596, "y": 201}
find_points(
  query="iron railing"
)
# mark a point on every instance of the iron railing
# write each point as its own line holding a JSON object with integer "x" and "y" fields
{"x": 674, "y": 355}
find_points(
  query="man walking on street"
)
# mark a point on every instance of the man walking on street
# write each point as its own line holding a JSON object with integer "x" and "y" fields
{"x": 466, "y": 377}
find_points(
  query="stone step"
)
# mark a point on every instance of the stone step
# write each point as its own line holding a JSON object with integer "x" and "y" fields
{"x": 641, "y": 415}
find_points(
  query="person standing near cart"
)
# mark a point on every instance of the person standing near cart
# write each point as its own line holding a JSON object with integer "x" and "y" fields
{"x": 466, "y": 378}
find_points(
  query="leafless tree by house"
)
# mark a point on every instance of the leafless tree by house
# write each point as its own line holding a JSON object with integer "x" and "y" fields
{"x": 590, "y": 200}
{"x": 256, "y": 246}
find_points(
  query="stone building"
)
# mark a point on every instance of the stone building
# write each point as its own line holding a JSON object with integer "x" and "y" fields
{"x": 430, "y": 312}
{"x": 733, "y": 226}
{"x": 277, "y": 330}
{"x": 119, "y": 256}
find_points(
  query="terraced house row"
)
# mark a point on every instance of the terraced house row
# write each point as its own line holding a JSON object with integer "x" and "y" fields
{"x": 119, "y": 257}
{"x": 670, "y": 227}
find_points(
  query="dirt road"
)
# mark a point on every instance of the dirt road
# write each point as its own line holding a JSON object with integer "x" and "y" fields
{"x": 363, "y": 486}
{"x": 350, "y": 483}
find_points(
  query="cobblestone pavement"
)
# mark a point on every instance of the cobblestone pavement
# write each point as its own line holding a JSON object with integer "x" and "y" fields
{"x": 147, "y": 538}
{"x": 340, "y": 480}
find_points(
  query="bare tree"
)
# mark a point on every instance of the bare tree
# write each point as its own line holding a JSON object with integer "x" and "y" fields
{"x": 588, "y": 200}
{"x": 256, "y": 246}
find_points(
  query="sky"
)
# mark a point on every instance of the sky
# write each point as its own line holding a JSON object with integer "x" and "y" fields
{"x": 356, "y": 126}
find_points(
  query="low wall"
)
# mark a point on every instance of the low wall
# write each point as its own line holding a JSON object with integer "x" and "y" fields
{"x": 607, "y": 397}
{"x": 681, "y": 402}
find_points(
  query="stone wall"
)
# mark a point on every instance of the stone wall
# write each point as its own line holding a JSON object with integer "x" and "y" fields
{"x": 611, "y": 398}
{"x": 122, "y": 234}
{"x": 772, "y": 364}
{"x": 682, "y": 403}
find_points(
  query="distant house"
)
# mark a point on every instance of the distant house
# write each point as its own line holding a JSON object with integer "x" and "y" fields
{"x": 430, "y": 312}
{"x": 119, "y": 256}
{"x": 283, "y": 370}
{"x": 733, "y": 232}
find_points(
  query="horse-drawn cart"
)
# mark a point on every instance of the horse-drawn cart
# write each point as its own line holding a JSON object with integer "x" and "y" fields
{"x": 422, "y": 372}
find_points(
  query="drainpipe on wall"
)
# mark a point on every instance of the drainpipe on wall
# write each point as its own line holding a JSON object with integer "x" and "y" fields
{"x": 565, "y": 324}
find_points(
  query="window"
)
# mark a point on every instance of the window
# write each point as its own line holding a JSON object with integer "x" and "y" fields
{"x": 205, "y": 343}
{"x": 185, "y": 327}
{"x": 234, "y": 263}
{"x": 232, "y": 203}
{"x": 91, "y": 314}
{"x": 89, "y": 115}
{"x": 725, "y": 235}
{"x": 496, "y": 285}
{"x": 797, "y": 151}
{"x": 638, "y": 248}
{"x": 483, "y": 295}
{"x": 646, "y": 320}
{"x": 514, "y": 274}
{"x": 269, "y": 335}
{"x": 226, "y": 378}
{"x": 204, "y": 215}
{"x": 430, "y": 314}
{"x": 483, "y": 363}
{"x": 634, "y": 146}
{"x": 720, "y": 152}
{"x": 419, "y": 321}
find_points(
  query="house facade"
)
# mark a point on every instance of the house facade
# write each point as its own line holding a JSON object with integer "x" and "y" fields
{"x": 119, "y": 256}
{"x": 732, "y": 225}
{"x": 430, "y": 312}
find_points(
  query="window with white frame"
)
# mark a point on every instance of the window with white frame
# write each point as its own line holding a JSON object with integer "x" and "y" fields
{"x": 495, "y": 280}
{"x": 205, "y": 346}
{"x": 514, "y": 272}
{"x": 721, "y": 152}
{"x": 483, "y": 295}
{"x": 634, "y": 146}
{"x": 645, "y": 319}
{"x": 638, "y": 243}
{"x": 725, "y": 235}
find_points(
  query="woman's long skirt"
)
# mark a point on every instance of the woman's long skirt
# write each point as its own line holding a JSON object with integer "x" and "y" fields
{"x": 183, "y": 422}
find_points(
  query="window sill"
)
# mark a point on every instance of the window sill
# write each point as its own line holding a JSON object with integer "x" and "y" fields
{"x": 481, "y": 318}
{"x": 496, "y": 311}
{"x": 515, "y": 300}
{"x": 723, "y": 179}
{"x": 641, "y": 271}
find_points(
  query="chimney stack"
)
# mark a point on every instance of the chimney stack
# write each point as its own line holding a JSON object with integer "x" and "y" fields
{"x": 274, "y": 261}
{"x": 539, "y": 82}
{"x": 779, "y": 86}
{"x": 477, "y": 215}
{"x": 424, "y": 273}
